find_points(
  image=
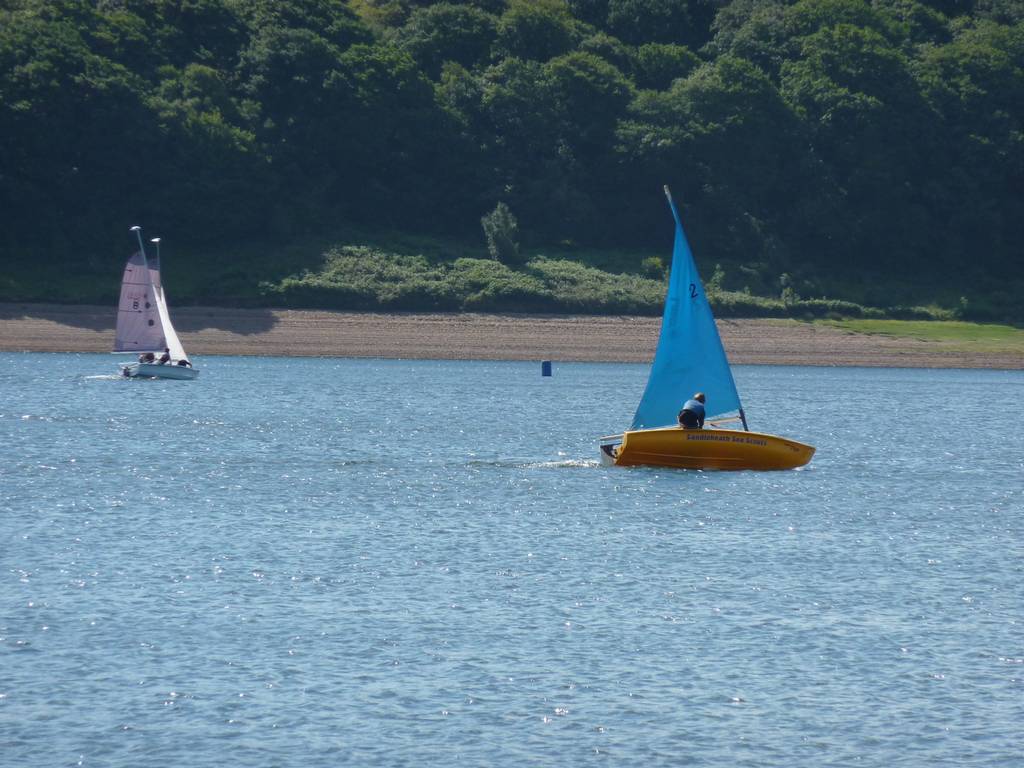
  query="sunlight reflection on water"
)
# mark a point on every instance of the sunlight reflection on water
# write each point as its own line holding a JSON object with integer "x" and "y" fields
{"x": 314, "y": 562}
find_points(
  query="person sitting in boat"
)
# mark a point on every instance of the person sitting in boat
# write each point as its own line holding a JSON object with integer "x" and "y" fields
{"x": 692, "y": 415}
{"x": 185, "y": 363}
{"x": 165, "y": 357}
{"x": 147, "y": 357}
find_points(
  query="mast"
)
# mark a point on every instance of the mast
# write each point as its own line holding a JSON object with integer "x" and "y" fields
{"x": 142, "y": 249}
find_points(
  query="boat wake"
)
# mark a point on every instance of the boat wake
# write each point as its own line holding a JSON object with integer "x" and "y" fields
{"x": 106, "y": 377}
{"x": 559, "y": 464}
{"x": 563, "y": 464}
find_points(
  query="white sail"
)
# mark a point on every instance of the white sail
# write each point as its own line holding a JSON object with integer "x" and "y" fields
{"x": 171, "y": 337}
{"x": 173, "y": 343}
{"x": 139, "y": 327}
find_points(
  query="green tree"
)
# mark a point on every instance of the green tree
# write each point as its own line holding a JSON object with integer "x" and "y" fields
{"x": 872, "y": 129}
{"x": 732, "y": 150}
{"x": 807, "y": 17}
{"x": 74, "y": 127}
{"x": 518, "y": 118}
{"x": 284, "y": 72}
{"x": 918, "y": 23}
{"x": 332, "y": 20}
{"x": 205, "y": 161}
{"x": 653, "y": 21}
{"x": 147, "y": 34}
{"x": 593, "y": 12}
{"x": 1007, "y": 12}
{"x": 389, "y": 140}
{"x": 612, "y": 50}
{"x": 755, "y": 30}
{"x": 976, "y": 86}
{"x": 536, "y": 29}
{"x": 445, "y": 32}
{"x": 659, "y": 64}
{"x": 591, "y": 96}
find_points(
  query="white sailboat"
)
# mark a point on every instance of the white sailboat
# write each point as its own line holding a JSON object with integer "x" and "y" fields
{"x": 144, "y": 323}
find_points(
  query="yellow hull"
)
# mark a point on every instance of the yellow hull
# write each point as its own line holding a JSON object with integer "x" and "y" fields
{"x": 707, "y": 449}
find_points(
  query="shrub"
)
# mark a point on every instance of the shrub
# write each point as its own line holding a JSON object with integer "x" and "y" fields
{"x": 742, "y": 304}
{"x": 502, "y": 232}
{"x": 717, "y": 282}
{"x": 579, "y": 288}
{"x": 918, "y": 313}
{"x": 653, "y": 267}
{"x": 490, "y": 286}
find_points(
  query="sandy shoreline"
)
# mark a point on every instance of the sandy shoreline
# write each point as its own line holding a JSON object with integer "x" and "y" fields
{"x": 217, "y": 331}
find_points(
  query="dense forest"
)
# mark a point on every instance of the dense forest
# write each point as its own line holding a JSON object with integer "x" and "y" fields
{"x": 820, "y": 147}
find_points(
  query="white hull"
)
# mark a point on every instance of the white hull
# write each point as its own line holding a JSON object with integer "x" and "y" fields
{"x": 607, "y": 453}
{"x": 157, "y": 371}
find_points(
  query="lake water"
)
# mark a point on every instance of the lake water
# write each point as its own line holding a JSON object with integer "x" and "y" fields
{"x": 324, "y": 562}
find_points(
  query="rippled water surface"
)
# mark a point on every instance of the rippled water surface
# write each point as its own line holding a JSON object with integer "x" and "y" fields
{"x": 296, "y": 562}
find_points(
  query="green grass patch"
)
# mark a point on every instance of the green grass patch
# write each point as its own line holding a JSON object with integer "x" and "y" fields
{"x": 958, "y": 335}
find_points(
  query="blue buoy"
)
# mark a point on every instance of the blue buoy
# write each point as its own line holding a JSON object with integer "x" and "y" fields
{"x": 545, "y": 368}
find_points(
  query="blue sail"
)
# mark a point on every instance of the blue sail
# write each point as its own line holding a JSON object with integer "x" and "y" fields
{"x": 690, "y": 357}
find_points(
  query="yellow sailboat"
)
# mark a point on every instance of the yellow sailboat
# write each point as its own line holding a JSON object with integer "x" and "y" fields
{"x": 690, "y": 358}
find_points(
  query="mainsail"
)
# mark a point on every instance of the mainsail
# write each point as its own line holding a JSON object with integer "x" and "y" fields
{"x": 139, "y": 326}
{"x": 690, "y": 357}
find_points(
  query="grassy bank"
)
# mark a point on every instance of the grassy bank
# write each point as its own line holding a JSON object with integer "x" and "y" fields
{"x": 956, "y": 335}
{"x": 389, "y": 271}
